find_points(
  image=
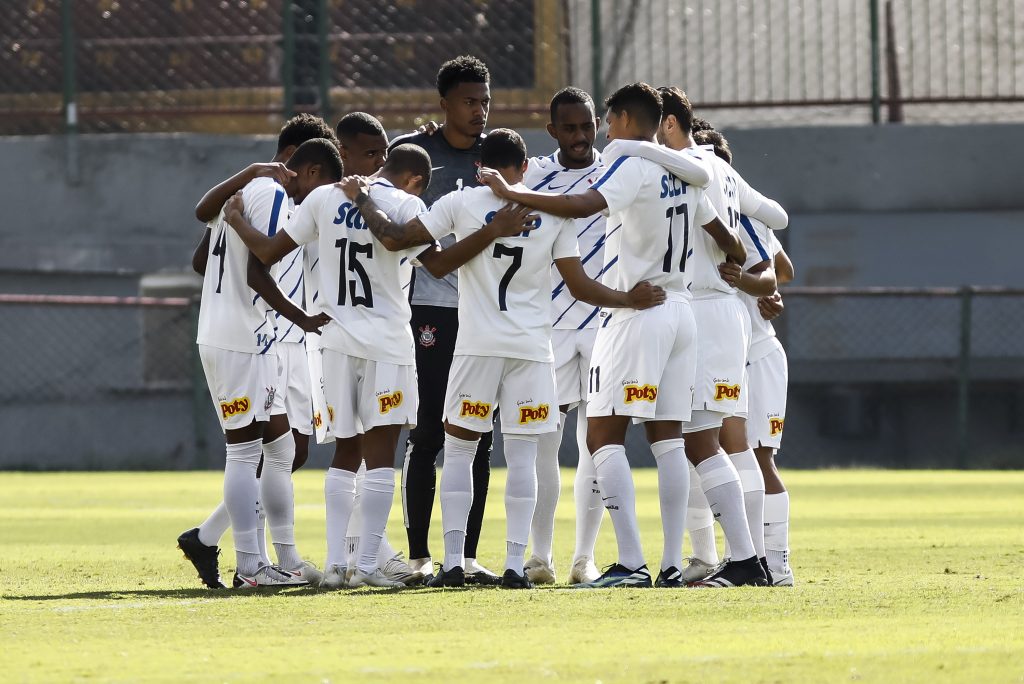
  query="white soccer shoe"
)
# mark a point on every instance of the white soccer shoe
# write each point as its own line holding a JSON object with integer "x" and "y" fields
{"x": 697, "y": 570}
{"x": 377, "y": 578}
{"x": 308, "y": 573}
{"x": 782, "y": 578}
{"x": 398, "y": 570}
{"x": 266, "y": 576}
{"x": 335, "y": 577}
{"x": 583, "y": 571}
{"x": 538, "y": 571}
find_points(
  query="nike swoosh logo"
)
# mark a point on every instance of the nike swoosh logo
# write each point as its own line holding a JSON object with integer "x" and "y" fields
{"x": 251, "y": 583}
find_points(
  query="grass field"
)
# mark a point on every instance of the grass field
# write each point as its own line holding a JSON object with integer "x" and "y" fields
{"x": 901, "y": 576}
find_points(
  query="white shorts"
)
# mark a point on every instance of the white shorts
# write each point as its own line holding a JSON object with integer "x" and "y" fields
{"x": 769, "y": 380}
{"x": 524, "y": 390}
{"x": 723, "y": 339}
{"x": 321, "y": 423}
{"x": 644, "y": 366}
{"x": 294, "y": 384}
{"x": 573, "y": 349}
{"x": 244, "y": 387}
{"x": 363, "y": 394}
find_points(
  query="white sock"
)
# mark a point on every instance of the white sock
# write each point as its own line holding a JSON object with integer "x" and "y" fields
{"x": 673, "y": 492}
{"x": 278, "y": 497}
{"x": 240, "y": 493}
{"x": 378, "y": 493}
{"x": 752, "y": 482}
{"x": 549, "y": 486}
{"x": 721, "y": 485}
{"x": 385, "y": 551}
{"x": 456, "y": 497}
{"x": 261, "y": 530}
{"x": 619, "y": 495}
{"x": 355, "y": 523}
{"x": 340, "y": 494}
{"x": 776, "y": 531}
{"x": 586, "y": 492}
{"x": 214, "y": 527}
{"x": 520, "y": 496}
{"x": 700, "y": 522}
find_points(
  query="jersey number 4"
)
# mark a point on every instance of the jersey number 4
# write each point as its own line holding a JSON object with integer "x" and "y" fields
{"x": 670, "y": 214}
{"x": 516, "y": 253}
{"x": 350, "y": 251}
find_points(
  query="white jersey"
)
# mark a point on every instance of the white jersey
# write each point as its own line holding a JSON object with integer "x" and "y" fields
{"x": 504, "y": 294}
{"x": 291, "y": 279}
{"x": 546, "y": 174}
{"x": 311, "y": 285}
{"x": 763, "y": 247}
{"x": 655, "y": 215}
{"x": 361, "y": 282}
{"x": 231, "y": 315}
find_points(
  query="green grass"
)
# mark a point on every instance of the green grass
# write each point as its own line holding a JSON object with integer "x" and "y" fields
{"x": 901, "y": 576}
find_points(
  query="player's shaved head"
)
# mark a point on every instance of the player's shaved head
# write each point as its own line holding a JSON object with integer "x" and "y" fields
{"x": 570, "y": 96}
{"x": 302, "y": 128}
{"x": 319, "y": 152}
{"x": 641, "y": 103}
{"x": 675, "y": 103}
{"x": 716, "y": 140}
{"x": 408, "y": 161}
{"x": 503, "y": 148}
{"x": 462, "y": 69}
{"x": 363, "y": 143}
{"x": 358, "y": 123}
{"x": 574, "y": 125}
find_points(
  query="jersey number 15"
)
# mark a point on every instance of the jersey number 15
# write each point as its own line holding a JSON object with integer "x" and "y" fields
{"x": 350, "y": 251}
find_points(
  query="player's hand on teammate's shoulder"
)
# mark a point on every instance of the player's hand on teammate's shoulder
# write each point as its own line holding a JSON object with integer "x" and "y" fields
{"x": 512, "y": 219}
{"x": 354, "y": 185}
{"x": 731, "y": 272}
{"x": 234, "y": 208}
{"x": 494, "y": 180}
{"x": 312, "y": 324}
{"x": 276, "y": 170}
{"x": 770, "y": 308}
{"x": 644, "y": 295}
{"x": 430, "y": 128}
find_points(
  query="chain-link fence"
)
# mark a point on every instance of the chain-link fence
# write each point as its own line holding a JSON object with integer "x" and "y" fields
{"x": 241, "y": 66}
{"x": 895, "y": 377}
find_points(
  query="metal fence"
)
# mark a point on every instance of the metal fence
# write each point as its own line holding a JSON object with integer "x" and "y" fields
{"x": 241, "y": 66}
{"x": 899, "y": 377}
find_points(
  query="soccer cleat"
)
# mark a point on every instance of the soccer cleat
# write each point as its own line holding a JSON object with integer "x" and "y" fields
{"x": 620, "y": 576}
{"x": 204, "y": 558}
{"x": 537, "y": 570}
{"x": 743, "y": 573}
{"x": 398, "y": 570}
{"x": 767, "y": 571}
{"x": 456, "y": 577}
{"x": 377, "y": 578}
{"x": 478, "y": 574}
{"x": 335, "y": 577}
{"x": 267, "y": 576}
{"x": 513, "y": 580}
{"x": 782, "y": 578}
{"x": 697, "y": 570}
{"x": 583, "y": 571}
{"x": 308, "y": 573}
{"x": 670, "y": 578}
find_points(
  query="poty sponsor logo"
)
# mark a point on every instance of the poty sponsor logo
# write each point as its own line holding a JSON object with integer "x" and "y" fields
{"x": 330, "y": 413}
{"x": 475, "y": 409}
{"x": 533, "y": 414}
{"x": 640, "y": 393}
{"x": 389, "y": 401}
{"x": 776, "y": 425}
{"x": 318, "y": 420}
{"x": 723, "y": 391}
{"x": 235, "y": 407}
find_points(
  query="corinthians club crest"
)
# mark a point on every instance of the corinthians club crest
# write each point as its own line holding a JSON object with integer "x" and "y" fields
{"x": 427, "y": 337}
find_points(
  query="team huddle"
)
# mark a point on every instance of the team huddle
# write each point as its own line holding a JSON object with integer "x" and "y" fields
{"x": 445, "y": 281}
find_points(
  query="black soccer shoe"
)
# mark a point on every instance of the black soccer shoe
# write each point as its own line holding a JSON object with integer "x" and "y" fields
{"x": 203, "y": 557}
{"x": 513, "y": 580}
{"x": 670, "y": 578}
{"x": 767, "y": 571}
{"x": 482, "y": 579}
{"x": 742, "y": 573}
{"x": 456, "y": 577}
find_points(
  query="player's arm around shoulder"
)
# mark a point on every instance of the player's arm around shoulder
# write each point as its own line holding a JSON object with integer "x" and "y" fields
{"x": 393, "y": 236}
{"x": 584, "y": 288}
{"x": 756, "y": 277}
{"x": 578, "y": 205}
{"x": 268, "y": 249}
{"x": 509, "y": 221}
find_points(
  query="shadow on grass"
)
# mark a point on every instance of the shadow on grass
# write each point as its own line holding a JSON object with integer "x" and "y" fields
{"x": 228, "y": 594}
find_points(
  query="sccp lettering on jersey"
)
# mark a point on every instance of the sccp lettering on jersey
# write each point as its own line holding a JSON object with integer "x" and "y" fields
{"x": 640, "y": 393}
{"x": 235, "y": 407}
{"x": 672, "y": 187}
{"x": 389, "y": 401}
{"x": 533, "y": 414}
{"x": 525, "y": 233}
{"x": 723, "y": 392}
{"x": 349, "y": 214}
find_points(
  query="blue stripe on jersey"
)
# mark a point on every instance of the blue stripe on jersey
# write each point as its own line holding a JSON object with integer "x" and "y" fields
{"x": 609, "y": 172}
{"x": 547, "y": 179}
{"x": 607, "y": 321}
{"x": 261, "y": 326}
{"x": 589, "y": 318}
{"x": 296, "y": 288}
{"x": 275, "y": 212}
{"x": 598, "y": 246}
{"x": 578, "y": 181}
{"x": 589, "y": 226}
{"x": 313, "y": 265}
{"x": 269, "y": 345}
{"x": 576, "y": 301}
{"x": 294, "y": 259}
{"x": 753, "y": 236}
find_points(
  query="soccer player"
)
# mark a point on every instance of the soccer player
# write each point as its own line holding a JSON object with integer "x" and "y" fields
{"x": 572, "y": 168}
{"x": 464, "y": 86}
{"x": 200, "y": 544}
{"x": 644, "y": 362}
{"x": 503, "y": 353}
{"x": 368, "y": 361}
{"x": 236, "y": 348}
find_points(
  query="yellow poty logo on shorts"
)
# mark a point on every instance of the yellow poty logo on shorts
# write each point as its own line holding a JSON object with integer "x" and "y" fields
{"x": 389, "y": 401}
{"x": 640, "y": 393}
{"x": 475, "y": 409}
{"x": 776, "y": 425}
{"x": 533, "y": 414}
{"x": 724, "y": 391}
{"x": 235, "y": 407}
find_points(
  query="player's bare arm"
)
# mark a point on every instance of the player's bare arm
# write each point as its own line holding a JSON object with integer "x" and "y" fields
{"x": 215, "y": 198}
{"x": 569, "y": 206}
{"x": 257, "y": 276}
{"x": 584, "y": 288}
{"x": 757, "y": 281}
{"x": 728, "y": 240}
{"x": 771, "y": 307}
{"x": 202, "y": 253}
{"x": 783, "y": 267}
{"x": 508, "y": 221}
{"x": 392, "y": 235}
{"x": 268, "y": 250}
